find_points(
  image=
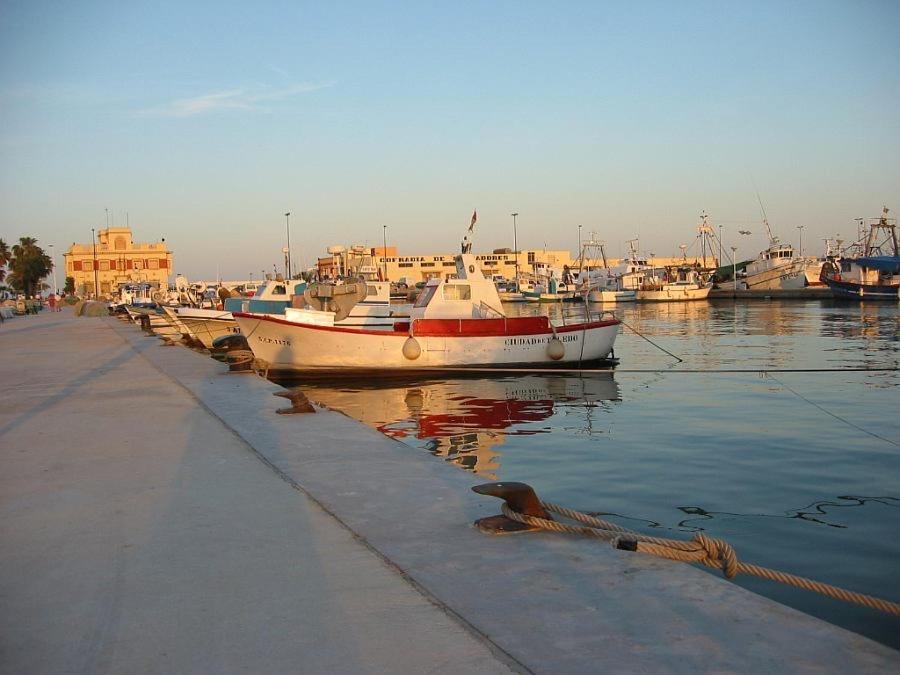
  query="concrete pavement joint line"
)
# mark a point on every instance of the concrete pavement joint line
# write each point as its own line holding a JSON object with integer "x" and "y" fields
{"x": 498, "y": 651}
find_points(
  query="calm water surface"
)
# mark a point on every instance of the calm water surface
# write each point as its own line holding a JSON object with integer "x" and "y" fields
{"x": 799, "y": 471}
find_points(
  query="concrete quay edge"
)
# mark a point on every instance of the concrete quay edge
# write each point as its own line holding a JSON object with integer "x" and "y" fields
{"x": 539, "y": 598}
{"x": 543, "y": 603}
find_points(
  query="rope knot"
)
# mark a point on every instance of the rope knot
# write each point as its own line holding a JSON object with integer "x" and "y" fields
{"x": 718, "y": 554}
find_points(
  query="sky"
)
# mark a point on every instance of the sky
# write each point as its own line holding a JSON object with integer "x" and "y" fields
{"x": 205, "y": 122}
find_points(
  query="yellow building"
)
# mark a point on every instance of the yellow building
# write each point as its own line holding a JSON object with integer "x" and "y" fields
{"x": 499, "y": 263}
{"x": 117, "y": 260}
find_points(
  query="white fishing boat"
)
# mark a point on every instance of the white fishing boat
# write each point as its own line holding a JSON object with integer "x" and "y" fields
{"x": 675, "y": 283}
{"x": 601, "y": 284}
{"x": 373, "y": 311}
{"x": 455, "y": 323}
{"x": 549, "y": 285}
{"x": 207, "y": 324}
{"x": 776, "y": 268}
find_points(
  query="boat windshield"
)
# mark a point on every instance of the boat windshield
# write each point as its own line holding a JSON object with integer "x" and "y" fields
{"x": 457, "y": 292}
{"x": 425, "y": 296}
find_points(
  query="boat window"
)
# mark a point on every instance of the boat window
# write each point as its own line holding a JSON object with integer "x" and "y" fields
{"x": 425, "y": 296}
{"x": 371, "y": 290}
{"x": 278, "y": 290}
{"x": 457, "y": 292}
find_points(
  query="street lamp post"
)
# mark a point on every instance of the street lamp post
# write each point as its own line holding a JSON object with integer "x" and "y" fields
{"x": 734, "y": 268}
{"x": 579, "y": 240}
{"x": 53, "y": 265}
{"x": 800, "y": 227}
{"x": 96, "y": 275}
{"x": 287, "y": 220}
{"x": 516, "y": 247}
{"x": 384, "y": 250}
{"x": 720, "y": 245}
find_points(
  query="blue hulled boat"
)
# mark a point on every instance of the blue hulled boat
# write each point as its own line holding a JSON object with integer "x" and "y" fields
{"x": 874, "y": 275}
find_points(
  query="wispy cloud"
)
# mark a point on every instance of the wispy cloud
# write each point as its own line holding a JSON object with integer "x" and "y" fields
{"x": 233, "y": 99}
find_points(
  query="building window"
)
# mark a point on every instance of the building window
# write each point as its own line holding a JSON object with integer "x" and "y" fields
{"x": 404, "y": 264}
{"x": 119, "y": 244}
{"x": 449, "y": 264}
{"x": 87, "y": 265}
{"x": 104, "y": 265}
{"x": 530, "y": 257}
{"x": 510, "y": 262}
{"x": 424, "y": 264}
{"x": 153, "y": 264}
{"x": 138, "y": 264}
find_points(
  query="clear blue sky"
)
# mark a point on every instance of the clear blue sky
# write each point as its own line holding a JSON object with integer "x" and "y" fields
{"x": 207, "y": 121}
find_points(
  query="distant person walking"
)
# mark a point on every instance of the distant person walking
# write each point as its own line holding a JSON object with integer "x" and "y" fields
{"x": 52, "y": 302}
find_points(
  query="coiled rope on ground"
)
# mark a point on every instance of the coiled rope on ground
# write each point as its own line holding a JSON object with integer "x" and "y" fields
{"x": 701, "y": 549}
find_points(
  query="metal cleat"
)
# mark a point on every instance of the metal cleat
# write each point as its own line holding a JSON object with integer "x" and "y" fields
{"x": 520, "y": 497}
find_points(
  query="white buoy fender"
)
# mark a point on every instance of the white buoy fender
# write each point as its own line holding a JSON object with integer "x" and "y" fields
{"x": 411, "y": 348}
{"x": 556, "y": 349}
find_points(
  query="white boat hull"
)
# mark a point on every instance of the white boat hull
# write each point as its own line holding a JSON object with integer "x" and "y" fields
{"x": 208, "y": 329}
{"x": 674, "y": 293}
{"x": 781, "y": 277}
{"x": 602, "y": 295}
{"x": 298, "y": 347}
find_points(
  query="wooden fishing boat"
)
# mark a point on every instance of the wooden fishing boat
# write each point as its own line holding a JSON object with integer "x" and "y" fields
{"x": 455, "y": 323}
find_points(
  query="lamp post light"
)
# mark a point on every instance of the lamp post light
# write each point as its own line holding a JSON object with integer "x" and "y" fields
{"x": 384, "y": 251}
{"x": 96, "y": 276}
{"x": 516, "y": 246}
{"x": 53, "y": 265}
{"x": 720, "y": 245}
{"x": 287, "y": 220}
{"x": 734, "y": 268}
{"x": 800, "y": 227}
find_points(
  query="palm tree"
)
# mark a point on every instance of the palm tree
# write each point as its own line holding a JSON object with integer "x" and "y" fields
{"x": 29, "y": 264}
{"x": 5, "y": 257}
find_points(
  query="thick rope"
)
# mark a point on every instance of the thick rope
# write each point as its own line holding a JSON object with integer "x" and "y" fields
{"x": 701, "y": 549}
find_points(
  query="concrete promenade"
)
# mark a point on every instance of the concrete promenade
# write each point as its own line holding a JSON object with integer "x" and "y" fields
{"x": 157, "y": 515}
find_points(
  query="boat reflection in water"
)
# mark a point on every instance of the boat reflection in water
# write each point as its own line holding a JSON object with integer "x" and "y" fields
{"x": 464, "y": 420}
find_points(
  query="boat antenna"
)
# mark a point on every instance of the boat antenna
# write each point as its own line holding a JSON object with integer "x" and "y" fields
{"x": 772, "y": 238}
{"x": 467, "y": 242}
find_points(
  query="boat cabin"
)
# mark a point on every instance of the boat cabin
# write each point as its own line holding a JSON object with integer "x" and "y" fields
{"x": 469, "y": 295}
{"x": 777, "y": 251}
{"x": 270, "y": 298}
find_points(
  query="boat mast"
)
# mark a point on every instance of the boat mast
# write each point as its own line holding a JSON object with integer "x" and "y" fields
{"x": 873, "y": 247}
{"x": 706, "y": 232}
{"x": 773, "y": 240}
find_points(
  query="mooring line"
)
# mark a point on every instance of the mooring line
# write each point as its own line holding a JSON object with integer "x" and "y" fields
{"x": 639, "y": 334}
{"x": 834, "y": 415}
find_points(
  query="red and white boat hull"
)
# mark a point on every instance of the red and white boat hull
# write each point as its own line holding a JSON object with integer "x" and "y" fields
{"x": 427, "y": 344}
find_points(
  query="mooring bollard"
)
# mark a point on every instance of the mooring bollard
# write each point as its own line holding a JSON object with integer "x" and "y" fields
{"x": 299, "y": 402}
{"x": 520, "y": 497}
{"x": 145, "y": 324}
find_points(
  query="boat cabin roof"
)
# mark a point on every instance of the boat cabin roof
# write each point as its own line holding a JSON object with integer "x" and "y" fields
{"x": 467, "y": 296}
{"x": 280, "y": 290}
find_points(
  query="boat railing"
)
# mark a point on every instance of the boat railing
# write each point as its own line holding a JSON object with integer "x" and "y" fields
{"x": 487, "y": 311}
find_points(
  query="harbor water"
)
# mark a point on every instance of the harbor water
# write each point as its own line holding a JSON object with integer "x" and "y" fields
{"x": 799, "y": 471}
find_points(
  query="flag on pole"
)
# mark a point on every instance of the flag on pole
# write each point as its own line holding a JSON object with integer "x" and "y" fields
{"x": 474, "y": 218}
